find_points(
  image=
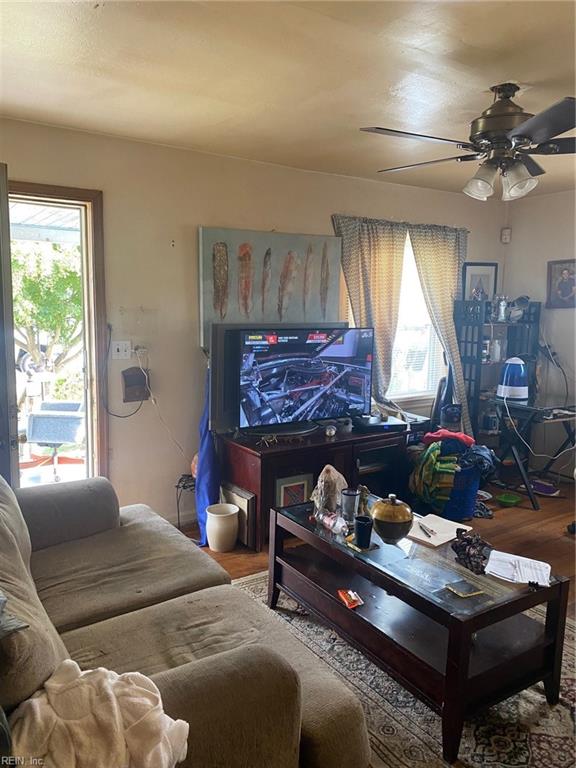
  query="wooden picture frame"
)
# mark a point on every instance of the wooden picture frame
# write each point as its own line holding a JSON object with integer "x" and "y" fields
{"x": 246, "y": 503}
{"x": 293, "y": 490}
{"x": 561, "y": 284}
{"x": 479, "y": 280}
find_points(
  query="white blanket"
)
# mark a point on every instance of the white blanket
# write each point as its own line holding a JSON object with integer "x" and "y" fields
{"x": 98, "y": 718}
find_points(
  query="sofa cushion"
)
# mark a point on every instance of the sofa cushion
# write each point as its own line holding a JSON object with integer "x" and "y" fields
{"x": 66, "y": 511}
{"x": 28, "y": 656}
{"x": 12, "y": 520}
{"x": 214, "y": 621}
{"x": 142, "y": 562}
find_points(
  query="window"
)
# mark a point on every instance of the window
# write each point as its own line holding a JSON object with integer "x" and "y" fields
{"x": 417, "y": 359}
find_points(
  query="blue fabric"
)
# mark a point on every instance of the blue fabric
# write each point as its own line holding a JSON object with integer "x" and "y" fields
{"x": 451, "y": 446}
{"x": 208, "y": 474}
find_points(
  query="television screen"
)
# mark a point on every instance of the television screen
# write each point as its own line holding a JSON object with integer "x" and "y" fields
{"x": 294, "y": 375}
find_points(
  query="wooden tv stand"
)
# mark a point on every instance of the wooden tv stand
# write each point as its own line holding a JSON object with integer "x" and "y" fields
{"x": 375, "y": 459}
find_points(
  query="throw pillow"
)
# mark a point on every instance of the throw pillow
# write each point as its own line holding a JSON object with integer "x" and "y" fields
{"x": 28, "y": 656}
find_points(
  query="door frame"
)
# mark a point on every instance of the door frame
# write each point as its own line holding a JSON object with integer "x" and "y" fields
{"x": 8, "y": 409}
{"x": 93, "y": 199}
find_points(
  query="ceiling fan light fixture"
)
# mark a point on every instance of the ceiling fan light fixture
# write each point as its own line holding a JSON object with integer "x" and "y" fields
{"x": 517, "y": 181}
{"x": 506, "y": 188}
{"x": 481, "y": 185}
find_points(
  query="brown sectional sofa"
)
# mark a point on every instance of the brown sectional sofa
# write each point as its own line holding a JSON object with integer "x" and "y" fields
{"x": 123, "y": 589}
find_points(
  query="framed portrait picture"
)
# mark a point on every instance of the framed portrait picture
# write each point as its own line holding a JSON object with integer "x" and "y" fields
{"x": 293, "y": 490}
{"x": 479, "y": 280}
{"x": 561, "y": 293}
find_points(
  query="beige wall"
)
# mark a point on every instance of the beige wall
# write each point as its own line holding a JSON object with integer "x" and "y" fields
{"x": 154, "y": 200}
{"x": 543, "y": 229}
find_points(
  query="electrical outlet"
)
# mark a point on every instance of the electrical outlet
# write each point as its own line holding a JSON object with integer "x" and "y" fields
{"x": 121, "y": 350}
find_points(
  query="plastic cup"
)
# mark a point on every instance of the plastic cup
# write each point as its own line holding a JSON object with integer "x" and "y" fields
{"x": 363, "y": 531}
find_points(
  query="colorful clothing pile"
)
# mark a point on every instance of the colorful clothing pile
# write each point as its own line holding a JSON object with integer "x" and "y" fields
{"x": 433, "y": 477}
{"x": 447, "y": 453}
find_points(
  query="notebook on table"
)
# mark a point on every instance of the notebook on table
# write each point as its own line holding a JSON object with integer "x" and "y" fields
{"x": 444, "y": 530}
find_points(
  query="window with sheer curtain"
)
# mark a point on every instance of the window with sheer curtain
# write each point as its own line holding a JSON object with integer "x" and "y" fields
{"x": 417, "y": 359}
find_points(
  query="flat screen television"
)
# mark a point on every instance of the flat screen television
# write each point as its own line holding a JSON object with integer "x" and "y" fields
{"x": 299, "y": 375}
{"x": 225, "y": 365}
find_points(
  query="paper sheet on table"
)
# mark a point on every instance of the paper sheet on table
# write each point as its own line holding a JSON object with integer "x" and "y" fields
{"x": 518, "y": 569}
{"x": 444, "y": 530}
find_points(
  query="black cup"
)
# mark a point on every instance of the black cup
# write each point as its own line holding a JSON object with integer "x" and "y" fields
{"x": 363, "y": 531}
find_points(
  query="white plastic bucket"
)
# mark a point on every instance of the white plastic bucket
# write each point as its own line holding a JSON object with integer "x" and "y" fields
{"x": 222, "y": 526}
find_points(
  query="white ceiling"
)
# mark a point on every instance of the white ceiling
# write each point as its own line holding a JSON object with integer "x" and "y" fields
{"x": 288, "y": 83}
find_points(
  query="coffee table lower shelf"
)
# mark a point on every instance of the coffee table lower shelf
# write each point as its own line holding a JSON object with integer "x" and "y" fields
{"x": 499, "y": 660}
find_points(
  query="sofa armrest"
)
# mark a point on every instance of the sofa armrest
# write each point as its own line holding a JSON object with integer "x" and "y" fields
{"x": 243, "y": 707}
{"x": 66, "y": 511}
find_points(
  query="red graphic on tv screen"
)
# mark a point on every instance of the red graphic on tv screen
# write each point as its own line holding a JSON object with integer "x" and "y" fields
{"x": 273, "y": 339}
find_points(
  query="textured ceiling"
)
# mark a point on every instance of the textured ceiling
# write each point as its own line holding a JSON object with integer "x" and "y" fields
{"x": 288, "y": 83}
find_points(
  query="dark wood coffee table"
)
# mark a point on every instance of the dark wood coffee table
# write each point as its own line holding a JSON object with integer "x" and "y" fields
{"x": 458, "y": 655}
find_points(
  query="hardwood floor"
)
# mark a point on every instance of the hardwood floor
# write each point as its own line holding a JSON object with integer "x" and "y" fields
{"x": 520, "y": 530}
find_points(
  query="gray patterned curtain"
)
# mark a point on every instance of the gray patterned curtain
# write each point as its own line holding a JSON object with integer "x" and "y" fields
{"x": 372, "y": 256}
{"x": 439, "y": 253}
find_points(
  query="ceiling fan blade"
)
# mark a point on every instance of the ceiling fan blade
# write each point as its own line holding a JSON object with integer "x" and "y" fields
{"x": 533, "y": 168}
{"x": 557, "y": 119}
{"x": 458, "y": 158}
{"x": 554, "y": 147}
{"x": 422, "y": 136}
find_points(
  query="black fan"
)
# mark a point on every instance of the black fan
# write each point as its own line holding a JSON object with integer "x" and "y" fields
{"x": 504, "y": 134}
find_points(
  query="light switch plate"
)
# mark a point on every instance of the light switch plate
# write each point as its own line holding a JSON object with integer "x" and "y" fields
{"x": 121, "y": 350}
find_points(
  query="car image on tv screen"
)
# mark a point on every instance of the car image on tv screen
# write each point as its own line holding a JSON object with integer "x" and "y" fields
{"x": 303, "y": 375}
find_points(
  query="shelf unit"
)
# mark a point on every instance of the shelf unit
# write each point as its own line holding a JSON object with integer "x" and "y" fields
{"x": 473, "y": 326}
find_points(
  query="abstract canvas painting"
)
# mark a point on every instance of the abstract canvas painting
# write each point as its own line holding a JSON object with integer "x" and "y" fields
{"x": 248, "y": 276}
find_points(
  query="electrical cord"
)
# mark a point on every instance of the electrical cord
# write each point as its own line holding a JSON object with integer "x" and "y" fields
{"x": 552, "y": 357}
{"x": 103, "y": 375}
{"x": 154, "y": 401}
{"x": 536, "y": 455}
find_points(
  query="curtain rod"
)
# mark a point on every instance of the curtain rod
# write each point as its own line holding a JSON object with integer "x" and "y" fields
{"x": 403, "y": 223}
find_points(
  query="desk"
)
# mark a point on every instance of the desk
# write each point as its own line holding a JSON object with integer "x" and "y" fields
{"x": 527, "y": 415}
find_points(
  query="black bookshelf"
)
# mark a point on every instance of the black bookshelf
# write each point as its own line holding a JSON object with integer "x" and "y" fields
{"x": 474, "y": 325}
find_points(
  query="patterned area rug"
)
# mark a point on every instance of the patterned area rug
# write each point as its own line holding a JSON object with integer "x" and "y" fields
{"x": 404, "y": 733}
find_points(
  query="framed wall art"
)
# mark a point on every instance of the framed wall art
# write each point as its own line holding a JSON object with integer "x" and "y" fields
{"x": 293, "y": 490}
{"x": 250, "y": 277}
{"x": 561, "y": 288}
{"x": 479, "y": 280}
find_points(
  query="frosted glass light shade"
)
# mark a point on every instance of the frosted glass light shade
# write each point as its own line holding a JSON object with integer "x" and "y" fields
{"x": 481, "y": 185}
{"x": 477, "y": 189}
{"x": 506, "y": 196}
{"x": 517, "y": 182}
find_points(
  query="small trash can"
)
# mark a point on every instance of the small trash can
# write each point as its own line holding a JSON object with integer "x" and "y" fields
{"x": 222, "y": 526}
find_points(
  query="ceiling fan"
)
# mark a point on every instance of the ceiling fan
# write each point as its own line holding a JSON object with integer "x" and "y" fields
{"x": 504, "y": 138}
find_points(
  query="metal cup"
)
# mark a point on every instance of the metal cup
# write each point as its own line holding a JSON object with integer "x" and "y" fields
{"x": 350, "y": 499}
